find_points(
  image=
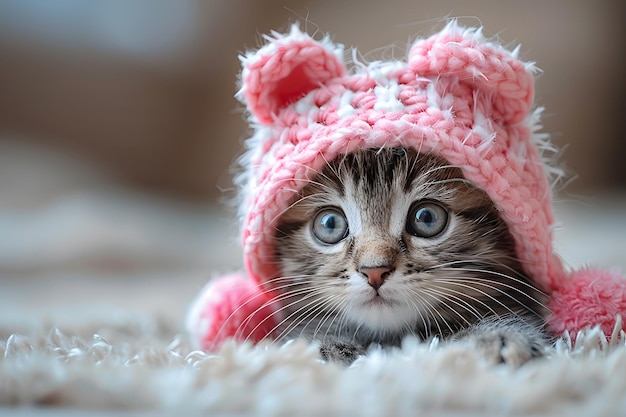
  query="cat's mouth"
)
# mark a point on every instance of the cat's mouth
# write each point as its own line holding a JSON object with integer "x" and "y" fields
{"x": 382, "y": 311}
{"x": 378, "y": 300}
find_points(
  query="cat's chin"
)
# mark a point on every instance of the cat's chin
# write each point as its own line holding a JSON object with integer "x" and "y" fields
{"x": 382, "y": 314}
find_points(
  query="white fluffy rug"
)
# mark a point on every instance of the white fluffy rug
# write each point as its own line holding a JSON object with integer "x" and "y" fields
{"x": 94, "y": 285}
{"x": 126, "y": 362}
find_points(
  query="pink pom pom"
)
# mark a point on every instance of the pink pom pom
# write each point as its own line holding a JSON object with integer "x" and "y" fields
{"x": 231, "y": 307}
{"x": 589, "y": 297}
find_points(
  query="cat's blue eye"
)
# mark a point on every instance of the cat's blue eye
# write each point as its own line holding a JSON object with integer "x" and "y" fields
{"x": 426, "y": 219}
{"x": 330, "y": 226}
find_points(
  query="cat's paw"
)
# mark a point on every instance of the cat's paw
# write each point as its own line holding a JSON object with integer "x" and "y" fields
{"x": 507, "y": 346}
{"x": 341, "y": 352}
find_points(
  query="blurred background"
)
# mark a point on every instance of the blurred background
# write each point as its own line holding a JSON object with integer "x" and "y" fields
{"x": 118, "y": 127}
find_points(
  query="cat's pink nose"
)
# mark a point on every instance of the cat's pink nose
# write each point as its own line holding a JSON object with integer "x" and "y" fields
{"x": 376, "y": 275}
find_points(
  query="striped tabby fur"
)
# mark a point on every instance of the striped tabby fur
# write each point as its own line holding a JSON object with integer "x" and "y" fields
{"x": 463, "y": 283}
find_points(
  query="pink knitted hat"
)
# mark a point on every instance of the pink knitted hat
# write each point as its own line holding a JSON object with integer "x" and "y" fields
{"x": 457, "y": 95}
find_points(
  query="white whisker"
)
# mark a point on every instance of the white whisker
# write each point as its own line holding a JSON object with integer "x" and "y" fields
{"x": 307, "y": 294}
{"x": 462, "y": 283}
{"x": 441, "y": 292}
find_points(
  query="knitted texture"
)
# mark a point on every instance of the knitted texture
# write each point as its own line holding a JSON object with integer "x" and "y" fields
{"x": 230, "y": 307}
{"x": 594, "y": 297}
{"x": 458, "y": 95}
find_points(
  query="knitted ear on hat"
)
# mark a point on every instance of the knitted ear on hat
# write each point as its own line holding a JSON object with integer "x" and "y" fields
{"x": 285, "y": 70}
{"x": 489, "y": 68}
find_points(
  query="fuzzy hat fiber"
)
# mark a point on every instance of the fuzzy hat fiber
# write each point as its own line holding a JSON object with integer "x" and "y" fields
{"x": 457, "y": 95}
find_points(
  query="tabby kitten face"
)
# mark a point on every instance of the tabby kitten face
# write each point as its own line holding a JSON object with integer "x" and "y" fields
{"x": 383, "y": 243}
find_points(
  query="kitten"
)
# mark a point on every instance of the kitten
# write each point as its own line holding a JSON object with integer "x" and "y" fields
{"x": 385, "y": 243}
